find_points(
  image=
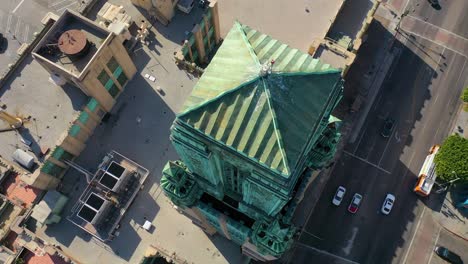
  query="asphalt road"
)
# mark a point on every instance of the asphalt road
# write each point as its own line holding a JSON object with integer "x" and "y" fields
{"x": 421, "y": 93}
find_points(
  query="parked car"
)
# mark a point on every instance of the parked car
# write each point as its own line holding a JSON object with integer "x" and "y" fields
{"x": 186, "y": 5}
{"x": 338, "y": 198}
{"x": 448, "y": 255}
{"x": 387, "y": 128}
{"x": 388, "y": 203}
{"x": 355, "y": 202}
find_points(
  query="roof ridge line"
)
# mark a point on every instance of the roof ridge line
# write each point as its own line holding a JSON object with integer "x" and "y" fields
{"x": 279, "y": 138}
{"x": 328, "y": 71}
{"x": 247, "y": 43}
{"x": 188, "y": 110}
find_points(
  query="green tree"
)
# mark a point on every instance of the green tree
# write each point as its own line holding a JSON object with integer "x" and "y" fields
{"x": 452, "y": 159}
{"x": 464, "y": 98}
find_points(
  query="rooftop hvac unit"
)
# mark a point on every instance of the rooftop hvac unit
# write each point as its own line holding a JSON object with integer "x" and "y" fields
{"x": 23, "y": 158}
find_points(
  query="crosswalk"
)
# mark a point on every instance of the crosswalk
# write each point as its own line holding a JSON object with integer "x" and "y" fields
{"x": 12, "y": 25}
{"x": 59, "y": 6}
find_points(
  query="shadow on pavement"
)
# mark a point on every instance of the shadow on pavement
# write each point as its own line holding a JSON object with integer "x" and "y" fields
{"x": 369, "y": 236}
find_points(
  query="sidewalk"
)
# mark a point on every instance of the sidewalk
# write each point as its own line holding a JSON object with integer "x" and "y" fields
{"x": 449, "y": 217}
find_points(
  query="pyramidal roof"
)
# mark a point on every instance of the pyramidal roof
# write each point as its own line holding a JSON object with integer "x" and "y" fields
{"x": 261, "y": 98}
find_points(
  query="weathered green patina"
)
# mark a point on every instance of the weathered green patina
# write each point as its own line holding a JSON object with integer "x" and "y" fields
{"x": 256, "y": 120}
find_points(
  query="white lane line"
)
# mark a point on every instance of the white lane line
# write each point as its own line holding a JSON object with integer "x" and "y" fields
{"x": 350, "y": 242}
{"x": 17, "y": 28}
{"x": 26, "y": 33}
{"x": 1, "y": 19}
{"x": 365, "y": 161}
{"x": 326, "y": 253}
{"x": 67, "y": 6}
{"x": 10, "y": 17}
{"x": 443, "y": 29}
{"x": 16, "y": 8}
{"x": 310, "y": 234}
{"x": 388, "y": 142}
{"x": 432, "y": 251}
{"x": 406, "y": 6}
{"x": 433, "y": 41}
{"x": 414, "y": 235}
{"x": 57, "y": 3}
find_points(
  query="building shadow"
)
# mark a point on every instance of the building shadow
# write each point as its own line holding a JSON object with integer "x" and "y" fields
{"x": 372, "y": 166}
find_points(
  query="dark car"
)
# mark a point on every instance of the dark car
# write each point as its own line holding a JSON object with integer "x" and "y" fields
{"x": 448, "y": 255}
{"x": 387, "y": 128}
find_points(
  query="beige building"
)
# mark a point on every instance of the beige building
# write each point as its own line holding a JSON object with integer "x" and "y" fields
{"x": 163, "y": 10}
{"x": 77, "y": 51}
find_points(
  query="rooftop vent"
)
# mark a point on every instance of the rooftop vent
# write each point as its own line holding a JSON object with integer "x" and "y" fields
{"x": 91, "y": 207}
{"x": 74, "y": 44}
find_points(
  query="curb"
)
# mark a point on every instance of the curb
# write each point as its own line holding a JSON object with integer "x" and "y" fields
{"x": 453, "y": 232}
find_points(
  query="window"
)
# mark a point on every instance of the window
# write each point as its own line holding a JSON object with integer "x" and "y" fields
{"x": 120, "y": 76}
{"x": 52, "y": 169}
{"x": 113, "y": 65}
{"x": 103, "y": 77}
{"x": 61, "y": 154}
{"x": 122, "y": 79}
{"x": 83, "y": 118}
{"x": 112, "y": 88}
{"x": 74, "y": 130}
{"x": 92, "y": 104}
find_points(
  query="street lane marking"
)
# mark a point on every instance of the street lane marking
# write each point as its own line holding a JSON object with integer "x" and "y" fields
{"x": 326, "y": 253}
{"x": 310, "y": 234}
{"x": 16, "y": 8}
{"x": 365, "y": 161}
{"x": 26, "y": 33}
{"x": 388, "y": 141}
{"x": 443, "y": 29}
{"x": 57, "y": 3}
{"x": 433, "y": 41}
{"x": 432, "y": 251}
{"x": 17, "y": 28}
{"x": 67, "y": 6}
{"x": 414, "y": 235}
{"x": 10, "y": 17}
{"x": 350, "y": 242}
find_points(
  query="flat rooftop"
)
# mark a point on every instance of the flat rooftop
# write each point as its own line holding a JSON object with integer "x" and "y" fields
{"x": 60, "y": 35}
{"x": 296, "y": 23}
{"x": 18, "y": 192}
{"x": 51, "y": 109}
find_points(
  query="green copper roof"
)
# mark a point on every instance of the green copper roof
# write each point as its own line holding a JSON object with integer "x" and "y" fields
{"x": 265, "y": 111}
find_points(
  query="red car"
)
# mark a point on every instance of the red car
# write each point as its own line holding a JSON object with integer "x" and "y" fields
{"x": 355, "y": 202}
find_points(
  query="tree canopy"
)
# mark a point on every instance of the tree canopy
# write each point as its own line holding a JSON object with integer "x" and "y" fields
{"x": 452, "y": 159}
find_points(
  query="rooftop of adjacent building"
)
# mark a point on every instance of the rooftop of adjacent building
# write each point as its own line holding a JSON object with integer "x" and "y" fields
{"x": 8, "y": 214}
{"x": 18, "y": 192}
{"x": 60, "y": 37}
{"x": 32, "y": 258}
{"x": 296, "y": 23}
{"x": 108, "y": 196}
{"x": 50, "y": 110}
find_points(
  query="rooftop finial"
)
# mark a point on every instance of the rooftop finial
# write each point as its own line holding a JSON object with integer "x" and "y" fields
{"x": 266, "y": 68}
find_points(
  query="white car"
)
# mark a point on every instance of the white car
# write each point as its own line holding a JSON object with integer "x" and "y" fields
{"x": 340, "y": 192}
{"x": 388, "y": 203}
